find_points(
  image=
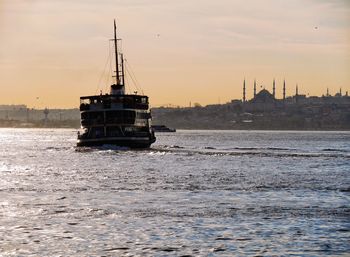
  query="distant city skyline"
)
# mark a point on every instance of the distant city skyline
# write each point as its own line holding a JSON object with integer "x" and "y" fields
{"x": 53, "y": 52}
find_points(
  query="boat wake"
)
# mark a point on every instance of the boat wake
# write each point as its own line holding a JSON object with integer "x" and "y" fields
{"x": 251, "y": 151}
{"x": 213, "y": 151}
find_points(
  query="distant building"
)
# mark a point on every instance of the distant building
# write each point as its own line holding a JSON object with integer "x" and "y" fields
{"x": 12, "y": 107}
{"x": 266, "y": 101}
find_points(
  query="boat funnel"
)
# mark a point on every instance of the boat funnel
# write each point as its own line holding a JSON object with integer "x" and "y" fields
{"x": 117, "y": 89}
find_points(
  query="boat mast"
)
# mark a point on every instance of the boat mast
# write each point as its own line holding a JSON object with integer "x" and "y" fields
{"x": 123, "y": 74}
{"x": 116, "y": 54}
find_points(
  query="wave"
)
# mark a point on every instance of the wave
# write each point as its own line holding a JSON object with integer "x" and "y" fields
{"x": 101, "y": 148}
{"x": 266, "y": 212}
{"x": 234, "y": 151}
{"x": 248, "y": 152}
{"x": 261, "y": 148}
{"x": 335, "y": 150}
{"x": 58, "y": 148}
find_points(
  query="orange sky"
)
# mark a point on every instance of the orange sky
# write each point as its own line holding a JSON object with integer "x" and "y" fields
{"x": 52, "y": 52}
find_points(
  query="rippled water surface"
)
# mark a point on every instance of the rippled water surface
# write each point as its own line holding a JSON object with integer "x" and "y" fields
{"x": 194, "y": 193}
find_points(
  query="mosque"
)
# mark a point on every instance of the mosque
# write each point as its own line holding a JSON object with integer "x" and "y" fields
{"x": 266, "y": 101}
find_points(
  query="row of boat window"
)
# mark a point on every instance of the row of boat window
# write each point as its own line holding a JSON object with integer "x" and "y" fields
{"x": 113, "y": 99}
{"x": 120, "y": 116}
{"x": 115, "y": 132}
{"x": 85, "y": 107}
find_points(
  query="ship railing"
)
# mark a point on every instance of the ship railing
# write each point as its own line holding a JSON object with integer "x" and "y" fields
{"x": 114, "y": 101}
{"x": 105, "y": 106}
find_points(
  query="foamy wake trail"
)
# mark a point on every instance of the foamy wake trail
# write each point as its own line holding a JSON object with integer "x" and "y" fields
{"x": 254, "y": 151}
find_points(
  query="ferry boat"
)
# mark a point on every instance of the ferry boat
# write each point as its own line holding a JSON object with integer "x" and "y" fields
{"x": 116, "y": 118}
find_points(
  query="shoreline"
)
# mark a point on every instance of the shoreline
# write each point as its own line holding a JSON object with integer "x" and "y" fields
{"x": 194, "y": 129}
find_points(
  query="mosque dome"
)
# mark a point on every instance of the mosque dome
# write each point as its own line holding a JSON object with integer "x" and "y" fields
{"x": 264, "y": 96}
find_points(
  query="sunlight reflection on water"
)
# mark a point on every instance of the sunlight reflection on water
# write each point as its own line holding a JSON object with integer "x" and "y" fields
{"x": 193, "y": 193}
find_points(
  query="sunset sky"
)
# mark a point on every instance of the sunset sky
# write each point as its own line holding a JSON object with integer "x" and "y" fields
{"x": 53, "y": 51}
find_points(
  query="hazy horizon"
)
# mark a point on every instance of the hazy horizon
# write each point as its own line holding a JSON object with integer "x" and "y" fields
{"x": 185, "y": 51}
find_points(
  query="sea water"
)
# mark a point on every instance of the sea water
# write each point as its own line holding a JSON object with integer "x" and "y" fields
{"x": 193, "y": 193}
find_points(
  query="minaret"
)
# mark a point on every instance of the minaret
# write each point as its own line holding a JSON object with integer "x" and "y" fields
{"x": 244, "y": 91}
{"x": 284, "y": 89}
{"x": 340, "y": 92}
{"x": 296, "y": 93}
{"x": 327, "y": 92}
{"x": 254, "y": 88}
{"x": 274, "y": 89}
